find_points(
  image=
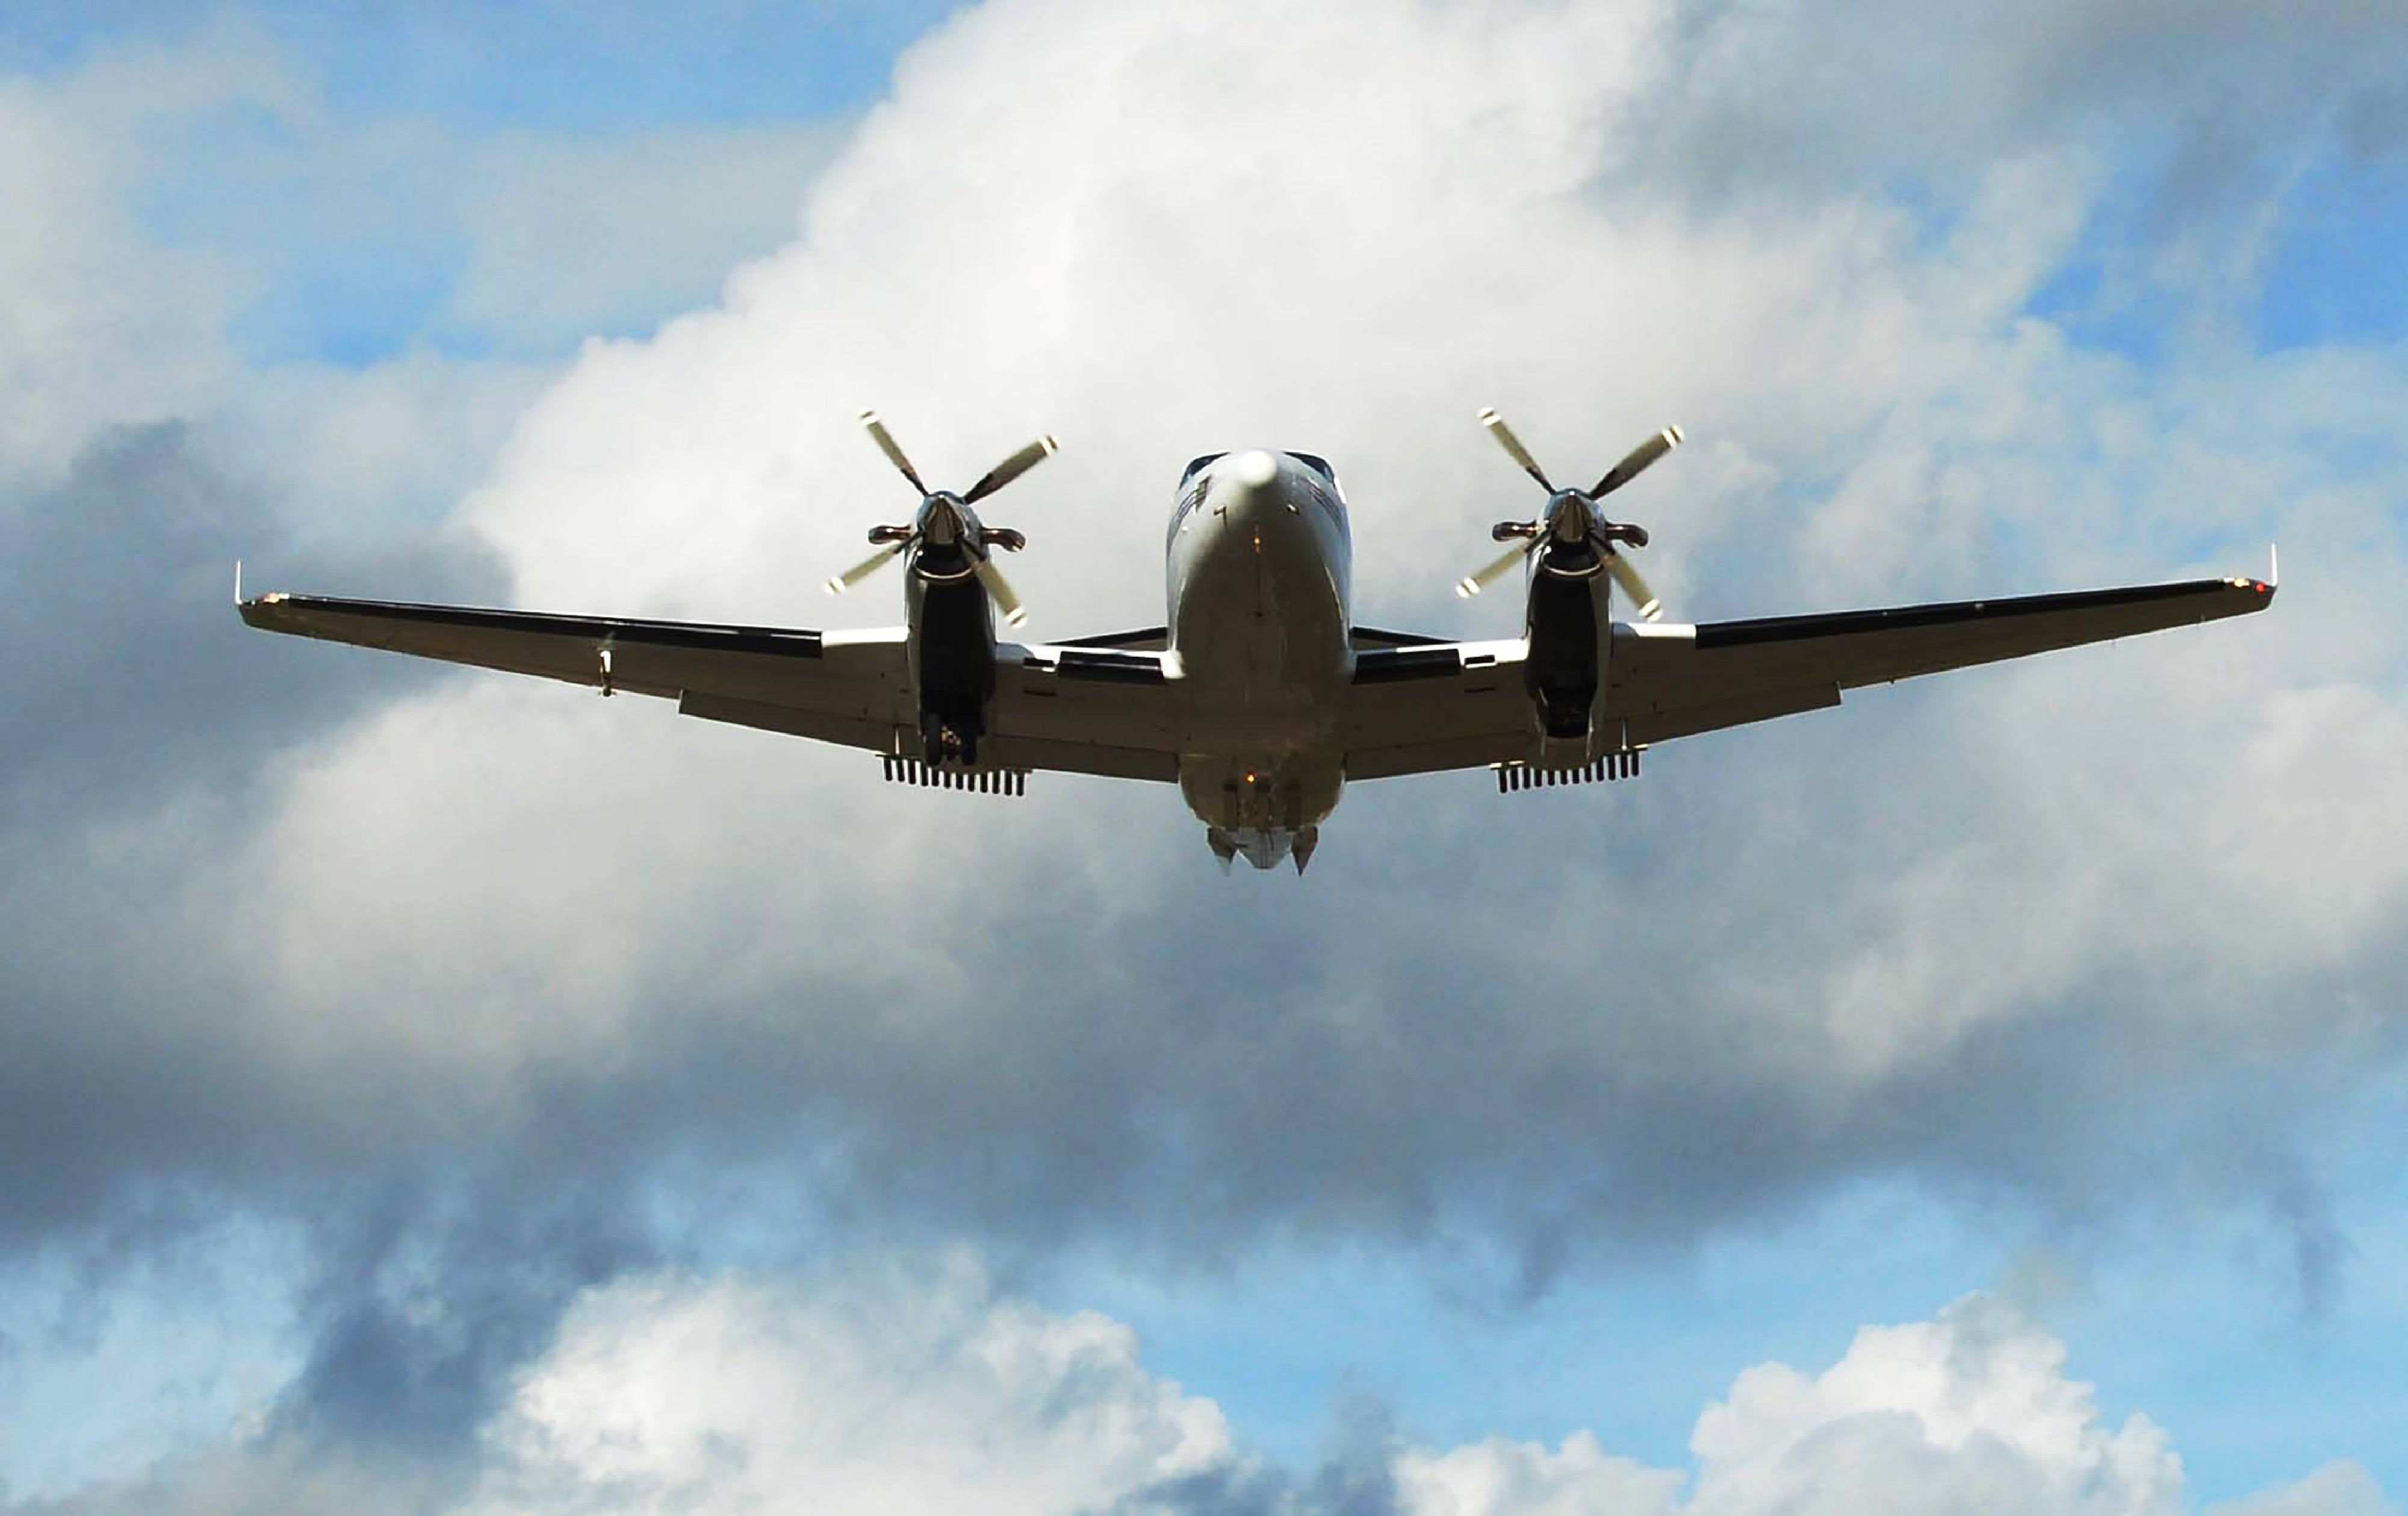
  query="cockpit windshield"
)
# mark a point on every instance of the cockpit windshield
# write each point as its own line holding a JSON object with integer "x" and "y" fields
{"x": 1317, "y": 464}
{"x": 1199, "y": 466}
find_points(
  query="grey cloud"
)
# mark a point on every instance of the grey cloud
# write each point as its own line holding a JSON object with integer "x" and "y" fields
{"x": 133, "y": 703}
{"x": 277, "y": 1475}
{"x": 1187, "y": 1122}
{"x": 2200, "y": 118}
{"x": 1791, "y": 99}
{"x": 1577, "y": 1129}
{"x": 1355, "y": 1474}
{"x": 417, "y": 1324}
{"x": 1227, "y": 1490}
{"x": 134, "y": 707}
{"x": 126, "y": 669}
{"x": 2375, "y": 121}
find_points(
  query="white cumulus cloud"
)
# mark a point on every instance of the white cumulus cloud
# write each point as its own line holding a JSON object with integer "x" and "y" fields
{"x": 1970, "y": 1412}
{"x": 920, "y": 1387}
{"x": 891, "y": 1393}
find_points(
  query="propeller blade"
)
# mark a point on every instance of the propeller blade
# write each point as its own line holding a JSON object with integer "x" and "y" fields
{"x": 999, "y": 590}
{"x": 1012, "y": 468}
{"x": 1649, "y": 607}
{"x": 1639, "y": 457}
{"x": 862, "y": 569}
{"x": 1511, "y": 444}
{"x": 887, "y": 445}
{"x": 1472, "y": 584}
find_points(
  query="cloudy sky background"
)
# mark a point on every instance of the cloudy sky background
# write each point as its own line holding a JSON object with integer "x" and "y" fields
{"x": 432, "y": 1092}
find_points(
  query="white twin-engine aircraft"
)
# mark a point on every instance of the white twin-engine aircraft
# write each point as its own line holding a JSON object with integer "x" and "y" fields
{"x": 1262, "y": 696}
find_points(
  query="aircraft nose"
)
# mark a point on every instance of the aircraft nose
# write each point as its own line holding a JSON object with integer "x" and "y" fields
{"x": 1243, "y": 484}
{"x": 1253, "y": 469}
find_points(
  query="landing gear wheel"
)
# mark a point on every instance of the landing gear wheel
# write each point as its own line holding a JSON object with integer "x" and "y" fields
{"x": 943, "y": 741}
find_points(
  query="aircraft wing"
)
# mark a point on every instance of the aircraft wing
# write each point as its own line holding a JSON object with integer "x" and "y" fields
{"x": 1423, "y": 706}
{"x": 1666, "y": 682}
{"x": 847, "y": 688}
{"x": 1089, "y": 710}
{"x": 1096, "y": 706}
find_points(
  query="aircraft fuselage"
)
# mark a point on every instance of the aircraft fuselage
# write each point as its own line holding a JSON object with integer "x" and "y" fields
{"x": 1259, "y": 570}
{"x": 1259, "y": 649}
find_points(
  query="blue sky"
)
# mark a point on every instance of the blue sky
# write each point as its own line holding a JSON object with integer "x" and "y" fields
{"x": 372, "y": 1093}
{"x": 600, "y": 68}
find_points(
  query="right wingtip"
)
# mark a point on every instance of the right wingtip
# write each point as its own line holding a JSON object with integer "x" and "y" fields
{"x": 2262, "y": 588}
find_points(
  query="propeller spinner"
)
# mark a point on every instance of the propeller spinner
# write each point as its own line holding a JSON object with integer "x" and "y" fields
{"x": 1571, "y": 518}
{"x": 946, "y": 521}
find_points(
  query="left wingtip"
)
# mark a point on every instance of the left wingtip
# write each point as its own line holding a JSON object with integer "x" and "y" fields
{"x": 258, "y": 609}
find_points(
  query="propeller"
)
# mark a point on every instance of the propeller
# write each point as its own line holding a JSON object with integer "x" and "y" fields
{"x": 946, "y": 525}
{"x": 1572, "y": 520}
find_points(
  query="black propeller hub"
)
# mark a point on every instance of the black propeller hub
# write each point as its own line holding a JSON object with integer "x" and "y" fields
{"x": 945, "y": 521}
{"x": 1571, "y": 515}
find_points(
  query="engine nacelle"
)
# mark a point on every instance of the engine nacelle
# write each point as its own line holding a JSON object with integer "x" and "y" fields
{"x": 953, "y": 665}
{"x": 1566, "y": 623}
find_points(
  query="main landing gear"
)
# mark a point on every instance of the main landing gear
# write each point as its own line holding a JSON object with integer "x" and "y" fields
{"x": 943, "y": 741}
